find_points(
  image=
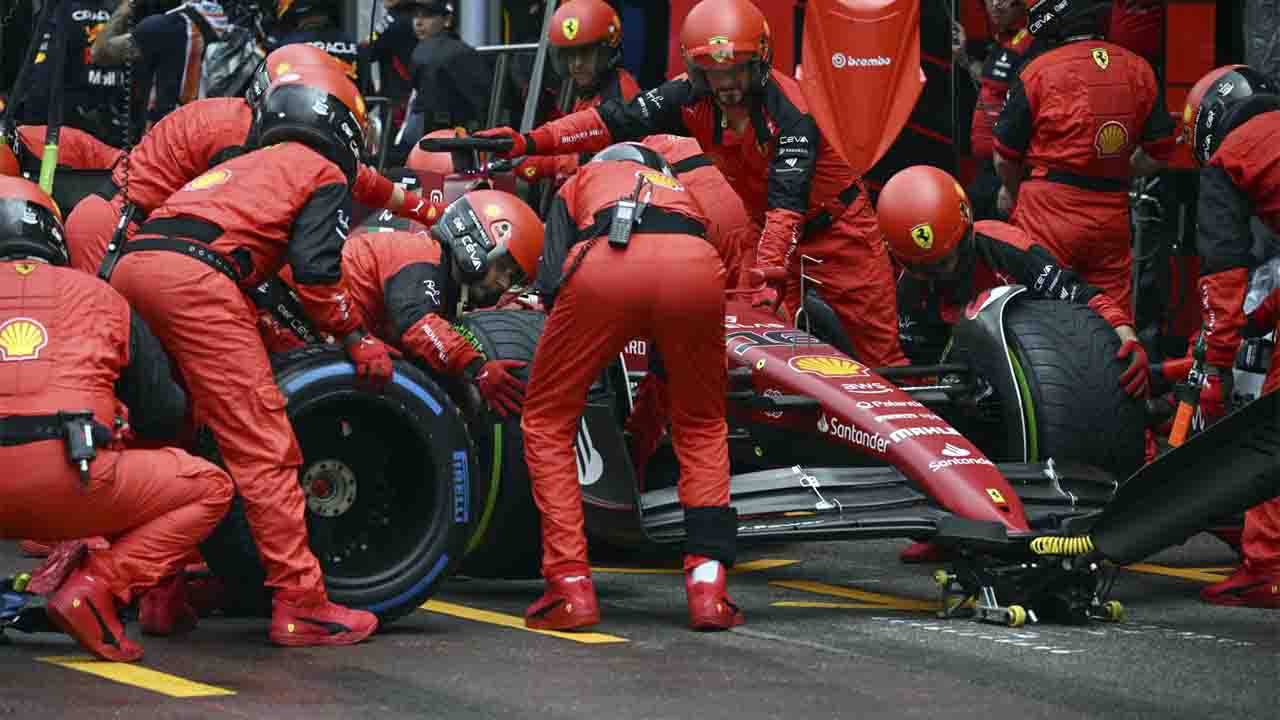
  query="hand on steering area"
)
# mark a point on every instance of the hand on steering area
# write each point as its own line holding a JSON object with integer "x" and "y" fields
{"x": 372, "y": 359}
{"x": 1136, "y": 379}
{"x": 519, "y": 146}
{"x": 502, "y": 391}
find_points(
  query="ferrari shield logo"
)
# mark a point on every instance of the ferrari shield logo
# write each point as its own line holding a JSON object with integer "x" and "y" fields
{"x": 996, "y": 496}
{"x": 722, "y": 51}
{"x": 212, "y": 178}
{"x": 1101, "y": 58}
{"x": 570, "y": 27}
{"x": 24, "y": 268}
{"x": 923, "y": 235}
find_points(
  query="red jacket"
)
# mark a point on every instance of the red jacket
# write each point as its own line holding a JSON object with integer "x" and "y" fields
{"x": 784, "y": 170}
{"x": 55, "y": 356}
{"x": 999, "y": 69}
{"x": 77, "y": 149}
{"x": 621, "y": 87}
{"x": 1077, "y": 112}
{"x": 1241, "y": 180}
{"x": 196, "y": 137}
{"x": 1139, "y": 26}
{"x": 283, "y": 203}
{"x": 583, "y": 207}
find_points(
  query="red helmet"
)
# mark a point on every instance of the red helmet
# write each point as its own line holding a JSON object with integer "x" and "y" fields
{"x": 586, "y": 24}
{"x": 924, "y": 214}
{"x": 9, "y": 161}
{"x": 321, "y": 108}
{"x": 483, "y": 225}
{"x": 1203, "y": 117}
{"x": 719, "y": 34}
{"x": 30, "y": 223}
{"x": 294, "y": 57}
{"x": 441, "y": 163}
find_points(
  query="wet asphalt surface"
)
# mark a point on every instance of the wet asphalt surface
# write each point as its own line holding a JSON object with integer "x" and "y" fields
{"x": 843, "y": 631}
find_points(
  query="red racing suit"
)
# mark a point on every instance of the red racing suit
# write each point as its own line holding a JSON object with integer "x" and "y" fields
{"x": 1003, "y": 254}
{"x": 792, "y": 182}
{"x": 402, "y": 291}
{"x": 666, "y": 284}
{"x": 620, "y": 86}
{"x": 187, "y": 271}
{"x": 1139, "y": 26}
{"x": 153, "y": 505}
{"x": 1073, "y": 119}
{"x": 181, "y": 146}
{"x": 77, "y": 149}
{"x": 1242, "y": 179}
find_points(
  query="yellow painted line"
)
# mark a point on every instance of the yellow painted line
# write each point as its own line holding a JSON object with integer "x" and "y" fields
{"x": 894, "y": 601}
{"x": 1197, "y": 574}
{"x": 750, "y": 566}
{"x": 835, "y": 605}
{"x": 137, "y": 676}
{"x": 516, "y": 622}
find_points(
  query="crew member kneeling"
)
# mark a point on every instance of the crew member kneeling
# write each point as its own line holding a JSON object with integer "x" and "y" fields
{"x": 61, "y": 373}
{"x": 658, "y": 278}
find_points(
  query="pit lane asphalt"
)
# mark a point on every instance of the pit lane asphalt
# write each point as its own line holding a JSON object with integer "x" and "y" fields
{"x": 839, "y": 633}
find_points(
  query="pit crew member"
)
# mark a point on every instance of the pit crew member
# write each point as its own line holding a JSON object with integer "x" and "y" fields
{"x": 406, "y": 283}
{"x": 586, "y": 45}
{"x": 660, "y": 278}
{"x": 186, "y": 272}
{"x": 752, "y": 122}
{"x": 1232, "y": 117}
{"x": 1065, "y": 138}
{"x": 65, "y": 372}
{"x": 194, "y": 138}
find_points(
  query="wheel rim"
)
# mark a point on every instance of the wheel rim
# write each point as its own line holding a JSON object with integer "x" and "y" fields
{"x": 373, "y": 505}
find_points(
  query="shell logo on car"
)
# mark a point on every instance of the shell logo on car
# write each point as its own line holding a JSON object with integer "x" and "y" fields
{"x": 22, "y": 339}
{"x": 826, "y": 366}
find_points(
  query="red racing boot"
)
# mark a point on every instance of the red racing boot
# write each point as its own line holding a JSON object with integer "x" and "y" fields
{"x": 569, "y": 603}
{"x": 710, "y": 607}
{"x": 166, "y": 608}
{"x": 299, "y": 623}
{"x": 84, "y": 608}
{"x": 1247, "y": 587}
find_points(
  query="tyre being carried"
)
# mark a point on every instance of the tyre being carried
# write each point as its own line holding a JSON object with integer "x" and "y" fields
{"x": 388, "y": 479}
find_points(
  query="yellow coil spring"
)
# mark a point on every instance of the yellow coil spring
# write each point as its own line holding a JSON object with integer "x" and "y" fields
{"x": 1059, "y": 545}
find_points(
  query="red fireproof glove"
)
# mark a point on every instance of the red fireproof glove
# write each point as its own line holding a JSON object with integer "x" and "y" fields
{"x": 519, "y": 146}
{"x": 502, "y": 391}
{"x": 417, "y": 208}
{"x": 1136, "y": 379}
{"x": 372, "y": 359}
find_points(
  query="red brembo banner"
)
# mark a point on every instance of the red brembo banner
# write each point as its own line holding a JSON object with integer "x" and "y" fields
{"x": 862, "y": 73}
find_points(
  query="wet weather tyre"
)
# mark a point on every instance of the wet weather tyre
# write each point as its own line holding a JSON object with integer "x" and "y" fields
{"x": 388, "y": 479}
{"x": 507, "y": 539}
{"x": 1065, "y": 361}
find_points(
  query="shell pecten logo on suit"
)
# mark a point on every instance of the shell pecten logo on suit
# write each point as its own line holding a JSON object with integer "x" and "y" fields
{"x": 22, "y": 339}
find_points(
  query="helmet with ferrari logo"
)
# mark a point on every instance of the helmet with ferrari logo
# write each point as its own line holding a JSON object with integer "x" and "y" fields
{"x": 637, "y": 153}
{"x": 30, "y": 223}
{"x": 495, "y": 240}
{"x": 924, "y": 215}
{"x": 320, "y": 108}
{"x": 1057, "y": 20}
{"x": 720, "y": 35}
{"x": 586, "y": 42}
{"x": 1221, "y": 101}
{"x": 294, "y": 57}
